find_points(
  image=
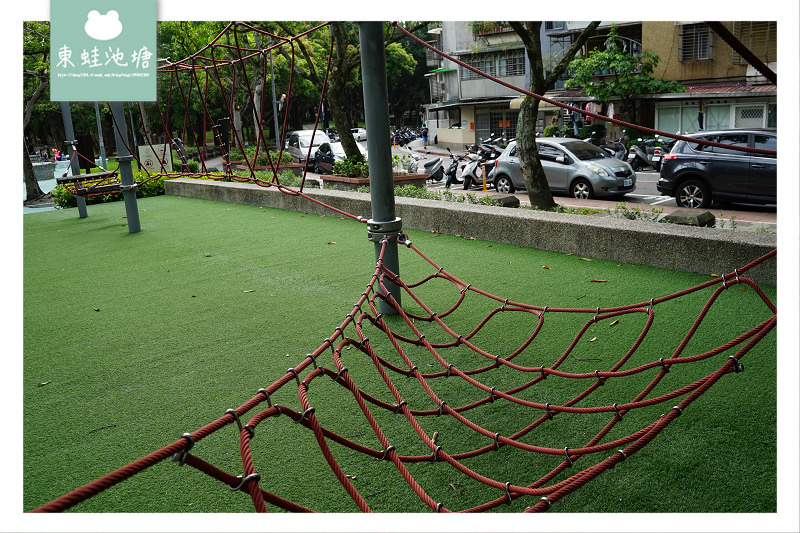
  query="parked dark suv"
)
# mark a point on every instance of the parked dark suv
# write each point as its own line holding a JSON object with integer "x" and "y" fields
{"x": 695, "y": 173}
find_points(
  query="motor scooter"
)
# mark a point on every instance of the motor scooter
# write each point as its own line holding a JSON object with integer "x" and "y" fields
{"x": 661, "y": 146}
{"x": 477, "y": 170}
{"x": 637, "y": 157}
{"x": 433, "y": 167}
{"x": 452, "y": 169}
{"x": 616, "y": 149}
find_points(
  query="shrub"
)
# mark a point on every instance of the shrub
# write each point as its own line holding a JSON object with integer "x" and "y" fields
{"x": 352, "y": 167}
{"x": 63, "y": 198}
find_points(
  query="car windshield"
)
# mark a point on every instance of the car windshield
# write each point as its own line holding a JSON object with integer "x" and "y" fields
{"x": 585, "y": 151}
{"x": 319, "y": 138}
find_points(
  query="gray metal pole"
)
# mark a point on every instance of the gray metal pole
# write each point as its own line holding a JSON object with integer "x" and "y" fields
{"x": 384, "y": 222}
{"x": 69, "y": 133}
{"x": 124, "y": 158}
{"x": 103, "y": 161}
{"x": 274, "y": 102}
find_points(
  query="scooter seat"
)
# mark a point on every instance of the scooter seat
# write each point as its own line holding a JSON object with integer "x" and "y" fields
{"x": 431, "y": 163}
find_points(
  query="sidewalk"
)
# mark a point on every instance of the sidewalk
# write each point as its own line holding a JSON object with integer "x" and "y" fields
{"x": 741, "y": 219}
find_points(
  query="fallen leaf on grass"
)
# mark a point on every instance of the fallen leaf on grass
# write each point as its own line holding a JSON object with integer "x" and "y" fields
{"x": 599, "y": 281}
{"x": 613, "y": 323}
{"x": 96, "y": 309}
{"x": 547, "y": 267}
{"x": 331, "y": 242}
{"x": 43, "y": 383}
{"x": 250, "y": 290}
{"x": 585, "y": 259}
{"x": 593, "y": 339}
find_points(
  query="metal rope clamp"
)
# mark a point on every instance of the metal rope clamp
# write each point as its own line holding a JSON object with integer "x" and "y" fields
{"x": 377, "y": 231}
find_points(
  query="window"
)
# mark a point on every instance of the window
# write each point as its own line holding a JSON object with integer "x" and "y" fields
{"x": 511, "y": 64}
{"x": 748, "y": 117}
{"x": 696, "y": 42}
{"x": 760, "y": 37}
{"x": 735, "y": 139}
{"x": 766, "y": 142}
{"x": 548, "y": 152}
{"x": 483, "y": 62}
{"x": 553, "y": 25}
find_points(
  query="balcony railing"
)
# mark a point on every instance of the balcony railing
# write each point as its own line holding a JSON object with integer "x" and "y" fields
{"x": 488, "y": 28}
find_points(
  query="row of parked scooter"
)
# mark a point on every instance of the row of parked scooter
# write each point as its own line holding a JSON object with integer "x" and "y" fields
{"x": 474, "y": 165}
{"x": 404, "y": 135}
{"x": 477, "y": 163}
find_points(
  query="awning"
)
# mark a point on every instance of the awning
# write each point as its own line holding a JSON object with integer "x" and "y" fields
{"x": 473, "y": 102}
{"x": 517, "y": 102}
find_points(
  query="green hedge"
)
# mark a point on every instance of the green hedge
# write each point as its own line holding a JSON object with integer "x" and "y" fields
{"x": 63, "y": 198}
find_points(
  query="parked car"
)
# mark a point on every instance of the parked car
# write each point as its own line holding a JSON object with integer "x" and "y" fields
{"x": 359, "y": 134}
{"x": 572, "y": 167}
{"x": 697, "y": 174}
{"x": 298, "y": 143}
{"x": 333, "y": 135}
{"x": 329, "y": 153}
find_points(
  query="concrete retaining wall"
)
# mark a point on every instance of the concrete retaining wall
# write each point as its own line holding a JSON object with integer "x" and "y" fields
{"x": 682, "y": 248}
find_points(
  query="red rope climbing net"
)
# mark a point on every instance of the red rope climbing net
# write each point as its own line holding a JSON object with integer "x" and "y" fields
{"x": 433, "y": 391}
{"x": 420, "y": 348}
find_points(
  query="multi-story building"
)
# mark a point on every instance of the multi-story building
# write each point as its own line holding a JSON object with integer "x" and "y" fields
{"x": 722, "y": 89}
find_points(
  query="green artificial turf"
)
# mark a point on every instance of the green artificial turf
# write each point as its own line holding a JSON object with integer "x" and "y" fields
{"x": 130, "y": 340}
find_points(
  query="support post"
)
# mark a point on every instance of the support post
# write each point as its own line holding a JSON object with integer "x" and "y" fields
{"x": 75, "y": 165}
{"x": 384, "y": 222}
{"x": 124, "y": 158}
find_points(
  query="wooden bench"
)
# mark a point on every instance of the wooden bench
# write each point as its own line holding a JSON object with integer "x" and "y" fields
{"x": 92, "y": 189}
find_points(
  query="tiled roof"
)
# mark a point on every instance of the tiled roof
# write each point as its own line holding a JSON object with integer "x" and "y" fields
{"x": 691, "y": 88}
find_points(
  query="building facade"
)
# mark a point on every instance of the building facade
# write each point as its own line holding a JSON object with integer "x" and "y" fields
{"x": 722, "y": 89}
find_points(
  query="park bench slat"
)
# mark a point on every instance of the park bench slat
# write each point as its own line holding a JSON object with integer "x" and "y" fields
{"x": 99, "y": 189}
{"x": 84, "y": 177}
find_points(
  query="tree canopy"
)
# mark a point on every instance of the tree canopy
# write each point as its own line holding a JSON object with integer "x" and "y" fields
{"x": 629, "y": 74}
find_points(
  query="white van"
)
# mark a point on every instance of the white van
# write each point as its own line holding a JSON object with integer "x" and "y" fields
{"x": 300, "y": 146}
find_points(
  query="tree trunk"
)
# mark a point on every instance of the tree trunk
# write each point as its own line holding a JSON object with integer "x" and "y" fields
{"x": 535, "y": 180}
{"x": 32, "y": 189}
{"x": 343, "y": 126}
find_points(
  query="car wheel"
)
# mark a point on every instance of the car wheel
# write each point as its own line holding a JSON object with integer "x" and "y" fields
{"x": 502, "y": 184}
{"x": 581, "y": 188}
{"x": 693, "y": 194}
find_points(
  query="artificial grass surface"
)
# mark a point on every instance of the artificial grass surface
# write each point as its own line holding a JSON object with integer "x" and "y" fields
{"x": 142, "y": 337}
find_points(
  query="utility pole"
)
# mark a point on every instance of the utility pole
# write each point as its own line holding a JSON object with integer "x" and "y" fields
{"x": 384, "y": 224}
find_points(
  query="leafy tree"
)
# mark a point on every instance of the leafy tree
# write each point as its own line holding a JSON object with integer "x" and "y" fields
{"x": 344, "y": 72}
{"x": 630, "y": 74}
{"x": 36, "y": 65}
{"x": 539, "y": 192}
